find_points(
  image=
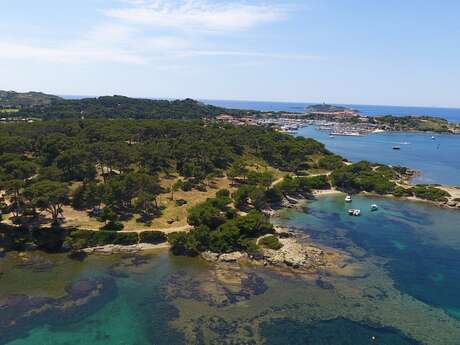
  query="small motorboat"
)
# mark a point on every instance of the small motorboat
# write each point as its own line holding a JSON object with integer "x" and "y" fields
{"x": 396, "y": 148}
{"x": 374, "y": 207}
{"x": 433, "y": 138}
{"x": 354, "y": 212}
{"x": 348, "y": 198}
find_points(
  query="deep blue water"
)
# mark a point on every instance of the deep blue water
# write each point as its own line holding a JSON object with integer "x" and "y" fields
{"x": 438, "y": 160}
{"x": 421, "y": 242}
{"x": 339, "y": 331}
{"x": 451, "y": 114}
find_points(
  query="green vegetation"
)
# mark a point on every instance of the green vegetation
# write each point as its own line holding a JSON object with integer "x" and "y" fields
{"x": 364, "y": 176}
{"x": 11, "y": 99}
{"x": 271, "y": 242}
{"x": 218, "y": 228}
{"x": 55, "y": 239}
{"x": 414, "y": 123}
{"x": 117, "y": 170}
{"x": 8, "y": 110}
{"x": 153, "y": 237}
{"x": 379, "y": 179}
{"x": 326, "y": 108}
{"x": 117, "y": 107}
{"x": 330, "y": 162}
{"x": 430, "y": 193}
{"x": 80, "y": 239}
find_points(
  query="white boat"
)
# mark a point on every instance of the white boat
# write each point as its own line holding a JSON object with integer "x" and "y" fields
{"x": 374, "y": 207}
{"x": 433, "y": 138}
{"x": 346, "y": 134}
{"x": 354, "y": 212}
{"x": 348, "y": 198}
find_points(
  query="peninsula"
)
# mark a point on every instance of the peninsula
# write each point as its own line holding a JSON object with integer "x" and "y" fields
{"x": 201, "y": 185}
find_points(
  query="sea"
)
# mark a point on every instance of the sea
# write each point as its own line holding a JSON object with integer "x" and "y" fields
{"x": 450, "y": 114}
{"x": 398, "y": 284}
{"x": 437, "y": 160}
{"x": 396, "y": 280}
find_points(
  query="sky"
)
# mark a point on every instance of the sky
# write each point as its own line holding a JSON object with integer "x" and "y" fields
{"x": 337, "y": 51}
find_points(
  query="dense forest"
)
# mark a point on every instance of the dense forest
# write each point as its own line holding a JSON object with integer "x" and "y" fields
{"x": 118, "y": 163}
{"x": 115, "y": 107}
{"x": 113, "y": 171}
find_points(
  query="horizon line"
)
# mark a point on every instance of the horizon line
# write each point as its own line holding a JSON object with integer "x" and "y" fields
{"x": 263, "y": 101}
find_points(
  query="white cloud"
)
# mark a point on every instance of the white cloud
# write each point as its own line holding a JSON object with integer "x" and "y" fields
{"x": 136, "y": 35}
{"x": 288, "y": 56}
{"x": 198, "y": 15}
{"x": 18, "y": 51}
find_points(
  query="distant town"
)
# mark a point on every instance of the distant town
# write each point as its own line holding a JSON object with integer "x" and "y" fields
{"x": 341, "y": 121}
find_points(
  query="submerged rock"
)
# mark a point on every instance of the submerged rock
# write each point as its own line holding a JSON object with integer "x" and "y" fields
{"x": 221, "y": 287}
{"x": 19, "y": 313}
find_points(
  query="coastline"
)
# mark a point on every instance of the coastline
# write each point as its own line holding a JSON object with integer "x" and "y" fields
{"x": 296, "y": 248}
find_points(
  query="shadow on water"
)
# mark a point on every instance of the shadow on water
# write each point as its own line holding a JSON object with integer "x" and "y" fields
{"x": 337, "y": 332}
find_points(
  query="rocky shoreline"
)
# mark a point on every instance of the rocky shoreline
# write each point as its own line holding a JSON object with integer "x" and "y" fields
{"x": 295, "y": 253}
{"x": 121, "y": 249}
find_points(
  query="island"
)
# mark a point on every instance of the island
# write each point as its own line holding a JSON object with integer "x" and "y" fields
{"x": 72, "y": 183}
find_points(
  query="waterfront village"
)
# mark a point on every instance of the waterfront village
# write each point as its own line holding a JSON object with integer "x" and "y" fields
{"x": 336, "y": 122}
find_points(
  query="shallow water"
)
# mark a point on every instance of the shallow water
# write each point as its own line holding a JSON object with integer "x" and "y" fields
{"x": 397, "y": 283}
{"x": 437, "y": 160}
{"x": 421, "y": 242}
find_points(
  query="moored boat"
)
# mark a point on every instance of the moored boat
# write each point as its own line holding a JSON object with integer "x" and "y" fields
{"x": 374, "y": 207}
{"x": 348, "y": 198}
{"x": 354, "y": 212}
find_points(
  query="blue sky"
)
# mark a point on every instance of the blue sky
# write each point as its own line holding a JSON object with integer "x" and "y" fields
{"x": 338, "y": 51}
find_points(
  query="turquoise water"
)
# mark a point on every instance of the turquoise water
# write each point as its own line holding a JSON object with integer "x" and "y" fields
{"x": 438, "y": 160}
{"x": 421, "y": 242}
{"x": 403, "y": 274}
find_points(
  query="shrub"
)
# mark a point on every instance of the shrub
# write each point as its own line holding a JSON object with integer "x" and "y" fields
{"x": 402, "y": 192}
{"x": 113, "y": 226}
{"x": 430, "y": 193}
{"x": 183, "y": 244}
{"x": 361, "y": 176}
{"x": 186, "y": 186}
{"x": 314, "y": 182}
{"x": 330, "y": 162}
{"x": 154, "y": 237}
{"x": 79, "y": 239}
{"x": 271, "y": 242}
{"x": 50, "y": 239}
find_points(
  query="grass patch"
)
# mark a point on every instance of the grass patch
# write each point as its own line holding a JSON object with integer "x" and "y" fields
{"x": 271, "y": 242}
{"x": 8, "y": 111}
{"x": 171, "y": 210}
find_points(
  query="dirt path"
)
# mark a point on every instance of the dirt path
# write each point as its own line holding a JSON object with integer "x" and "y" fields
{"x": 165, "y": 230}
